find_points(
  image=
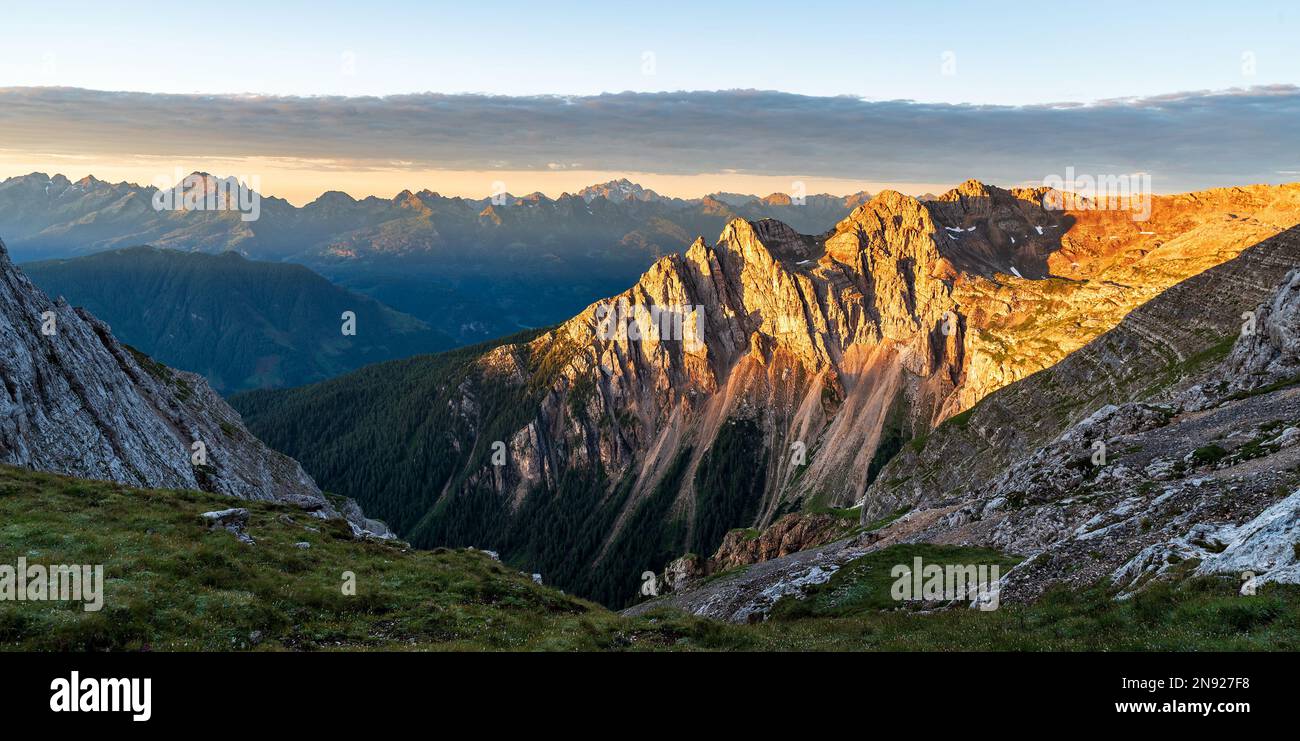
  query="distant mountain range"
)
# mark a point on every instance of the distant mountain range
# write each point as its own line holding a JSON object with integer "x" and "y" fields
{"x": 43, "y": 216}
{"x": 239, "y": 323}
{"x": 472, "y": 268}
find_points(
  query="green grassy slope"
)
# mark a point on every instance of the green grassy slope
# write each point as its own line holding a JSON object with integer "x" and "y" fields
{"x": 173, "y": 584}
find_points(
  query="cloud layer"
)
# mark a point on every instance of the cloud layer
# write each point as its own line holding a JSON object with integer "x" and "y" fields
{"x": 1186, "y": 140}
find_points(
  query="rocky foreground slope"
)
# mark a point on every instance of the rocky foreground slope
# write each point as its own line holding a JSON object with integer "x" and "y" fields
{"x": 1163, "y": 448}
{"x": 791, "y": 370}
{"x": 76, "y": 401}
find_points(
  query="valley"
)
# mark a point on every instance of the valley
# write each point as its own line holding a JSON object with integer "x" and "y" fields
{"x": 240, "y": 324}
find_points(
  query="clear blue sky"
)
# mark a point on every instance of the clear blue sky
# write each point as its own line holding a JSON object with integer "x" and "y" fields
{"x": 1009, "y": 53}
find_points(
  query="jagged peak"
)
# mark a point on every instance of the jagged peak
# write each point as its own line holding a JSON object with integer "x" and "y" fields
{"x": 891, "y": 198}
{"x": 407, "y": 199}
{"x": 202, "y": 182}
{"x": 886, "y": 203}
{"x": 764, "y": 241}
{"x": 743, "y": 230}
{"x": 198, "y": 177}
{"x": 857, "y": 199}
{"x": 619, "y": 189}
{"x": 973, "y": 188}
{"x": 969, "y": 187}
{"x": 37, "y": 176}
{"x": 698, "y": 252}
{"x": 534, "y": 197}
{"x": 774, "y": 229}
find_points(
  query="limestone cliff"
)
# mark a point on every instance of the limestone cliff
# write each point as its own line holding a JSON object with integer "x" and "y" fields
{"x": 1169, "y": 447}
{"x": 850, "y": 343}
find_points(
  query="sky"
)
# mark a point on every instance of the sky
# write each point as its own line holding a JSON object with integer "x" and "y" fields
{"x": 1005, "y": 62}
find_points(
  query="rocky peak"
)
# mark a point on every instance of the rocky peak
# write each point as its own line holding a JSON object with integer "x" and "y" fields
{"x": 408, "y": 200}
{"x": 532, "y": 199}
{"x": 785, "y": 322}
{"x": 763, "y": 242}
{"x": 970, "y": 188}
{"x": 202, "y": 182}
{"x": 889, "y": 223}
{"x": 333, "y": 198}
{"x": 857, "y": 199}
{"x": 621, "y": 189}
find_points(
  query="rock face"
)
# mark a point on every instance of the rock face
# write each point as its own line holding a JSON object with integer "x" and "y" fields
{"x": 1270, "y": 347}
{"x": 790, "y": 534}
{"x": 1181, "y": 483}
{"x": 362, "y": 525}
{"x": 683, "y": 571}
{"x": 1265, "y": 547}
{"x": 1191, "y": 476}
{"x": 77, "y": 402}
{"x": 850, "y": 343}
{"x": 1183, "y": 335}
{"x": 747, "y": 595}
{"x": 819, "y": 342}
